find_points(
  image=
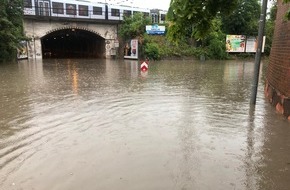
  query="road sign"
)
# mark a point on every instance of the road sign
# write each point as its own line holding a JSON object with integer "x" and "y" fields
{"x": 144, "y": 66}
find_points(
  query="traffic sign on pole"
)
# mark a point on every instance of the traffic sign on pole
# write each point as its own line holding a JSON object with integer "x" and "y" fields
{"x": 144, "y": 66}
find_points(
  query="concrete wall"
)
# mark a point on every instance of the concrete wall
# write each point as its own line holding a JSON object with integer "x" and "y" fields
{"x": 36, "y": 29}
{"x": 278, "y": 74}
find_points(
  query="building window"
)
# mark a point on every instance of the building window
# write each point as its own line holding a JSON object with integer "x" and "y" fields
{"x": 70, "y": 9}
{"x": 57, "y": 8}
{"x": 115, "y": 12}
{"x": 97, "y": 10}
{"x": 83, "y": 10}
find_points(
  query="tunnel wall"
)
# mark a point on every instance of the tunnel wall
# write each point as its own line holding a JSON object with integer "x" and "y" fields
{"x": 277, "y": 87}
{"x": 36, "y": 29}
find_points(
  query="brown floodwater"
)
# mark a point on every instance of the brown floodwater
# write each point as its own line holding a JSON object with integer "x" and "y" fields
{"x": 104, "y": 125}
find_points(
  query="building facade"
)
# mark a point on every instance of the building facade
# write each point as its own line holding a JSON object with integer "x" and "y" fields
{"x": 277, "y": 87}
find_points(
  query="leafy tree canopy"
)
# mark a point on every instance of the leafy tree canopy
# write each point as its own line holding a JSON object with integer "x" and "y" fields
{"x": 133, "y": 26}
{"x": 197, "y": 14}
{"x": 273, "y": 12}
{"x": 11, "y": 28}
{"x": 244, "y": 19}
{"x": 269, "y": 27}
{"x": 288, "y": 12}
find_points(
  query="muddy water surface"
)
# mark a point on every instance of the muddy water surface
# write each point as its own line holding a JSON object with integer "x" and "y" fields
{"x": 104, "y": 125}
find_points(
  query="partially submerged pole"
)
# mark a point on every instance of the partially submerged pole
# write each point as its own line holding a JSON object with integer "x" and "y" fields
{"x": 258, "y": 52}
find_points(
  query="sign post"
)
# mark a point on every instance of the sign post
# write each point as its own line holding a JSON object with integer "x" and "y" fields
{"x": 258, "y": 53}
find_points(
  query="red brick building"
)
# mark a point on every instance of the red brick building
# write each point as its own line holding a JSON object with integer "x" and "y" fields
{"x": 278, "y": 74}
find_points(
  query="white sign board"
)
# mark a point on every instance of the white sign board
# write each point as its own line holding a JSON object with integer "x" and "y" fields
{"x": 155, "y": 29}
{"x": 131, "y": 50}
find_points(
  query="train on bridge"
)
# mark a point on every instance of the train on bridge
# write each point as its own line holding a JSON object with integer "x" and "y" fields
{"x": 81, "y": 9}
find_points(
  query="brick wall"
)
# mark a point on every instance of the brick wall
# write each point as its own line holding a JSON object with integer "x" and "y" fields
{"x": 278, "y": 73}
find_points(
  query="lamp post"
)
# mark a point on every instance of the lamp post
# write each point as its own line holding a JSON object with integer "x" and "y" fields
{"x": 258, "y": 52}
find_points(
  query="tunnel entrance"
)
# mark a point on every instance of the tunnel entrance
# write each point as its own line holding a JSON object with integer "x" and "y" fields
{"x": 72, "y": 43}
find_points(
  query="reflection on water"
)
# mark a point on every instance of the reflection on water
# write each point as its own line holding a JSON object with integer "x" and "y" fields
{"x": 74, "y": 73}
{"x": 104, "y": 124}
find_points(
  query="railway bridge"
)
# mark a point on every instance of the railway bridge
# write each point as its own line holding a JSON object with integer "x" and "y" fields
{"x": 70, "y": 37}
{"x": 76, "y": 28}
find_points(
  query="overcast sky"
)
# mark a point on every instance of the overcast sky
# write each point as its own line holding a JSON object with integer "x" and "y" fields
{"x": 159, "y": 4}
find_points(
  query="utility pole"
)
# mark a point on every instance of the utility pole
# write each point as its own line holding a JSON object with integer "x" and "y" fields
{"x": 258, "y": 52}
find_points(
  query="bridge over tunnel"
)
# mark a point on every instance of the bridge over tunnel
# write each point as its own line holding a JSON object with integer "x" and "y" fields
{"x": 73, "y": 43}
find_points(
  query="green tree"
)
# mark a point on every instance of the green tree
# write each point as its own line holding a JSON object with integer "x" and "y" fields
{"x": 269, "y": 28}
{"x": 134, "y": 26}
{"x": 11, "y": 28}
{"x": 152, "y": 51}
{"x": 288, "y": 12}
{"x": 197, "y": 15}
{"x": 216, "y": 41}
{"x": 244, "y": 19}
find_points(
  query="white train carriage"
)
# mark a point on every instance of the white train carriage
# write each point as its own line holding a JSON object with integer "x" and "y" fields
{"x": 68, "y": 8}
{"x": 83, "y": 9}
{"x": 158, "y": 16}
{"x": 162, "y": 16}
{"x": 78, "y": 9}
{"x": 145, "y": 11}
{"x": 29, "y": 7}
{"x": 37, "y": 7}
{"x": 117, "y": 12}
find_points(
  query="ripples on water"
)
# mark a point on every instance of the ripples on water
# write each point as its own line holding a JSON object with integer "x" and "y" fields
{"x": 92, "y": 124}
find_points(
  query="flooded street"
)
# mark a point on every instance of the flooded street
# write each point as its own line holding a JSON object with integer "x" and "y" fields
{"x": 104, "y": 125}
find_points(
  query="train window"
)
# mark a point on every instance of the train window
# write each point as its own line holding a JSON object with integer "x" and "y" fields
{"x": 154, "y": 18}
{"x": 146, "y": 14}
{"x": 127, "y": 13}
{"x": 70, "y": 9}
{"x": 27, "y": 4}
{"x": 83, "y": 10}
{"x": 115, "y": 12}
{"x": 162, "y": 17}
{"x": 135, "y": 12}
{"x": 43, "y": 8}
{"x": 57, "y": 8}
{"x": 97, "y": 10}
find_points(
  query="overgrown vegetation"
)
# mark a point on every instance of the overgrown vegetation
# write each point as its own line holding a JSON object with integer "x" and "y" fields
{"x": 288, "y": 12}
{"x": 11, "y": 28}
{"x": 197, "y": 16}
{"x": 199, "y": 28}
{"x": 244, "y": 19}
{"x": 134, "y": 26}
{"x": 269, "y": 28}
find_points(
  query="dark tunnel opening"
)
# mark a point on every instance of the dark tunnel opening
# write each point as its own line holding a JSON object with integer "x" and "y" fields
{"x": 72, "y": 43}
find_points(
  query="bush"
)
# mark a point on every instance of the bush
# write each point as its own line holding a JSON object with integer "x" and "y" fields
{"x": 157, "y": 47}
{"x": 217, "y": 49}
{"x": 152, "y": 51}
